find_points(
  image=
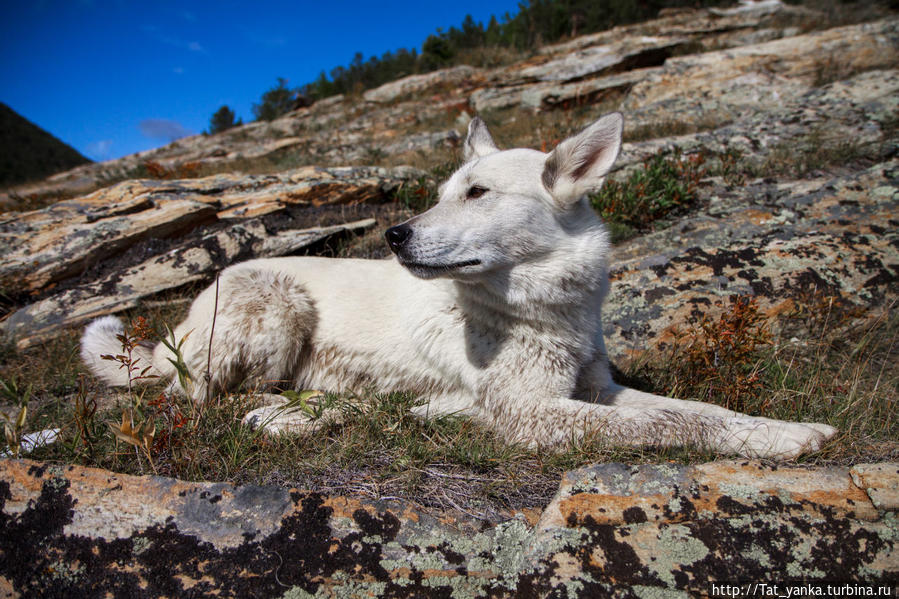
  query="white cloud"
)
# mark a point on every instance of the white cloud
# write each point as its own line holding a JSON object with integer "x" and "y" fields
{"x": 100, "y": 150}
{"x": 166, "y": 129}
{"x": 155, "y": 33}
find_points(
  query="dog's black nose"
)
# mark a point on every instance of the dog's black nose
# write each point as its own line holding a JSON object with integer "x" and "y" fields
{"x": 398, "y": 236}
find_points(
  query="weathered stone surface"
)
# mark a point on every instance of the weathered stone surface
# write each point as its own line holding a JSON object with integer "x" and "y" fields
{"x": 550, "y": 95}
{"x": 187, "y": 263}
{"x": 755, "y": 76}
{"x": 856, "y": 110}
{"x": 615, "y": 495}
{"x": 406, "y": 86}
{"x": 761, "y": 74}
{"x": 673, "y": 527}
{"x": 697, "y": 24}
{"x": 44, "y": 246}
{"x": 612, "y": 529}
{"x": 637, "y": 52}
{"x": 838, "y": 237}
{"x": 35, "y": 254}
{"x": 580, "y": 92}
{"x": 880, "y": 482}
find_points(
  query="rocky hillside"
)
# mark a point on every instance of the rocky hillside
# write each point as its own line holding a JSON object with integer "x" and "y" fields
{"x": 795, "y": 121}
{"x": 783, "y": 123}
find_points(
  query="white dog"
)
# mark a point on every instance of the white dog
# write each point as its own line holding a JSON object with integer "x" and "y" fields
{"x": 491, "y": 309}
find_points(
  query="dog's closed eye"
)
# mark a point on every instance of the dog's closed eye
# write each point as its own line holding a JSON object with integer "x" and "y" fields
{"x": 476, "y": 191}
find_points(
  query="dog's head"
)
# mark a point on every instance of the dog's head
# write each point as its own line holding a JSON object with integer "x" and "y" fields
{"x": 507, "y": 208}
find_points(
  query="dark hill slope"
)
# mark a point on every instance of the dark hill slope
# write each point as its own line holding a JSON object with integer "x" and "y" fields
{"x": 29, "y": 153}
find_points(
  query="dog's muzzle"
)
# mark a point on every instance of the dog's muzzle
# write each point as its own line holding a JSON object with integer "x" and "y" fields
{"x": 398, "y": 236}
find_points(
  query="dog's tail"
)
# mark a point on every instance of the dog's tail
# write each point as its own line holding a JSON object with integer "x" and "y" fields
{"x": 102, "y": 338}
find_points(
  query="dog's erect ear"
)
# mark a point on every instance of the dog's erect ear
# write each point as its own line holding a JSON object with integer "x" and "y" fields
{"x": 478, "y": 143}
{"x": 579, "y": 164}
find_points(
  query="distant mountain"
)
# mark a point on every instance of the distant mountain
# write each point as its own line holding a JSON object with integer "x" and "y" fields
{"x": 28, "y": 153}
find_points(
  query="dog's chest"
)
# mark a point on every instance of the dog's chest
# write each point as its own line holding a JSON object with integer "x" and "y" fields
{"x": 453, "y": 339}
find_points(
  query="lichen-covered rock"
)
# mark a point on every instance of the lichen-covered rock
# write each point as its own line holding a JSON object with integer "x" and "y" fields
{"x": 611, "y": 529}
{"x": 417, "y": 83}
{"x": 650, "y": 528}
{"x": 630, "y": 53}
{"x": 44, "y": 246}
{"x": 763, "y": 74}
{"x": 838, "y": 237}
{"x": 189, "y": 262}
{"x": 880, "y": 482}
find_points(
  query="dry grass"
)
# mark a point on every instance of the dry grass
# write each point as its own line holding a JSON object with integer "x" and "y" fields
{"x": 844, "y": 372}
{"x": 826, "y": 14}
{"x": 670, "y": 128}
{"x": 816, "y": 152}
{"x": 828, "y": 362}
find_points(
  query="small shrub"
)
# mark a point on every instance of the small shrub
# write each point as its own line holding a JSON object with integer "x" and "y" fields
{"x": 656, "y": 130}
{"x": 416, "y": 195}
{"x": 374, "y": 156}
{"x": 729, "y": 167}
{"x": 718, "y": 357}
{"x": 131, "y": 338}
{"x": 420, "y": 194}
{"x": 185, "y": 170}
{"x": 818, "y": 151}
{"x": 664, "y": 184}
{"x": 14, "y": 427}
{"x": 136, "y": 428}
{"x": 85, "y": 431}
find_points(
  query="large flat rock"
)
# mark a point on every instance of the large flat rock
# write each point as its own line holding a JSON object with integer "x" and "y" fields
{"x": 736, "y": 80}
{"x": 189, "y": 262}
{"x": 763, "y": 75}
{"x": 44, "y": 246}
{"x": 611, "y": 530}
{"x": 406, "y": 86}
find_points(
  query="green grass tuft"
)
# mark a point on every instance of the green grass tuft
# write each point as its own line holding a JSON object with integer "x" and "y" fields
{"x": 665, "y": 183}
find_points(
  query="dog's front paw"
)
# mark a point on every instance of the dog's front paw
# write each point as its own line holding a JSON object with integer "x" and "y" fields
{"x": 762, "y": 438}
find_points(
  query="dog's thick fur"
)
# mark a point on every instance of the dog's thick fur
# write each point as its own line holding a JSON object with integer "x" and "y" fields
{"x": 491, "y": 309}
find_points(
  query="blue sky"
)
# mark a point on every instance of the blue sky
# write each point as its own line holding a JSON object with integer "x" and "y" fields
{"x": 113, "y": 77}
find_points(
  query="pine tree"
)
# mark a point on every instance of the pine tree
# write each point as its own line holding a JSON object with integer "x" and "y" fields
{"x": 222, "y": 120}
{"x": 275, "y": 102}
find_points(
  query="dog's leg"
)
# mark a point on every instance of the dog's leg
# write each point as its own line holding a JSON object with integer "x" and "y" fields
{"x": 752, "y": 429}
{"x": 562, "y": 420}
{"x": 616, "y": 395}
{"x": 258, "y": 325}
